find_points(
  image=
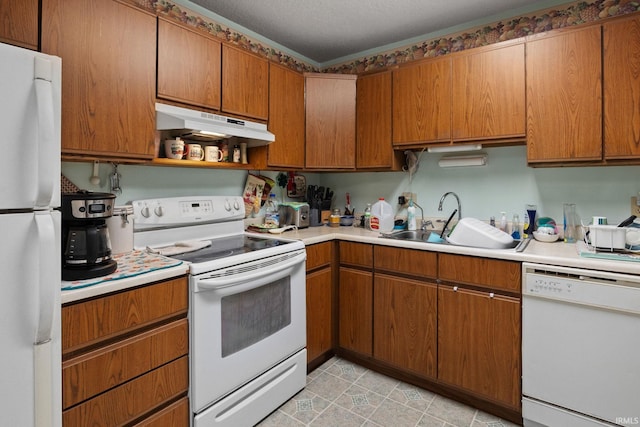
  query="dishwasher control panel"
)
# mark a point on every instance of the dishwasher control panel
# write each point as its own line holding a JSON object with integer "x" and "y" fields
{"x": 606, "y": 290}
{"x": 548, "y": 285}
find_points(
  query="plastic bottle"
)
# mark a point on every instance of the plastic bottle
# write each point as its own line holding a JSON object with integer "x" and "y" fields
{"x": 411, "y": 216}
{"x": 381, "y": 216}
{"x": 272, "y": 216}
{"x": 515, "y": 226}
{"x": 367, "y": 217}
{"x": 503, "y": 221}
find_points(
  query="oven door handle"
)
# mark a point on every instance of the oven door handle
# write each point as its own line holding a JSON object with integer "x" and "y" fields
{"x": 258, "y": 273}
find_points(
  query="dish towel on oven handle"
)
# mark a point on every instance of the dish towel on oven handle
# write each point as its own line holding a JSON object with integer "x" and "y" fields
{"x": 180, "y": 247}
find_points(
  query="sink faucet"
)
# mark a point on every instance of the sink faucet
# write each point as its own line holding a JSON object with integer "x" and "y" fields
{"x": 423, "y": 223}
{"x": 444, "y": 196}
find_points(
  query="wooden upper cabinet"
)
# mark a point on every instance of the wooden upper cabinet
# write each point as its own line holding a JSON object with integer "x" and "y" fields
{"x": 19, "y": 23}
{"x": 286, "y": 117}
{"x": 330, "y": 121}
{"x": 245, "y": 83}
{"x": 489, "y": 94}
{"x": 108, "y": 52}
{"x": 374, "y": 148}
{"x": 564, "y": 96}
{"x": 188, "y": 66}
{"x": 622, "y": 89}
{"x": 422, "y": 102}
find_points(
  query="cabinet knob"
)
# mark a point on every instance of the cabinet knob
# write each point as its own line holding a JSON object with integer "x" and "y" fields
{"x": 455, "y": 289}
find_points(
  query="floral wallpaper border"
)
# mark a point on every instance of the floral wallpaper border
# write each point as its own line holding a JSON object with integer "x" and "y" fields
{"x": 569, "y": 15}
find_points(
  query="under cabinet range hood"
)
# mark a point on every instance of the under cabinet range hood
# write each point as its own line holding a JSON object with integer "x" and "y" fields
{"x": 198, "y": 125}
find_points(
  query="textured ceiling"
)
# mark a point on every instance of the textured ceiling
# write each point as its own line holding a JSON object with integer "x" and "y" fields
{"x": 328, "y": 30}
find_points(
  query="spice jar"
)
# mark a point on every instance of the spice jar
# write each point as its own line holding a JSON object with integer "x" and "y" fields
{"x": 334, "y": 219}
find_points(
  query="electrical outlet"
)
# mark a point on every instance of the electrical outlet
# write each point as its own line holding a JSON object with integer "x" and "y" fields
{"x": 407, "y": 196}
{"x": 635, "y": 209}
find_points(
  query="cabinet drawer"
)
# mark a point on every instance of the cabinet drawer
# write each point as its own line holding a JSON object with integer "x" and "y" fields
{"x": 356, "y": 254}
{"x": 90, "y": 374}
{"x": 319, "y": 255}
{"x": 132, "y": 400}
{"x": 174, "y": 415}
{"x": 484, "y": 272}
{"x": 406, "y": 261}
{"x": 90, "y": 322}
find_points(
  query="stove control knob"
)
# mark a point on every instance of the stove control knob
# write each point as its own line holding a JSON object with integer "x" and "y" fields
{"x": 159, "y": 211}
{"x": 145, "y": 211}
{"x": 227, "y": 205}
{"x": 236, "y": 205}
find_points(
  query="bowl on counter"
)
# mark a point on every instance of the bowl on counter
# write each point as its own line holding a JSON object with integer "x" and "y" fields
{"x": 545, "y": 237}
{"x": 346, "y": 220}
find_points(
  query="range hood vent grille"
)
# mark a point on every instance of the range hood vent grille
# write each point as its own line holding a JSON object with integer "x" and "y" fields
{"x": 199, "y": 125}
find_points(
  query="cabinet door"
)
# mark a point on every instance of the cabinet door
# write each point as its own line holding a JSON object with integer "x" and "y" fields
{"x": 374, "y": 148}
{"x": 622, "y": 89}
{"x": 245, "y": 83}
{"x": 108, "y": 76}
{"x": 564, "y": 97}
{"x": 493, "y": 274}
{"x": 330, "y": 107}
{"x": 286, "y": 117}
{"x": 479, "y": 343}
{"x": 355, "y": 310}
{"x": 422, "y": 103}
{"x": 356, "y": 254}
{"x": 489, "y": 94}
{"x": 188, "y": 66}
{"x": 319, "y": 309}
{"x": 19, "y": 23}
{"x": 404, "y": 325}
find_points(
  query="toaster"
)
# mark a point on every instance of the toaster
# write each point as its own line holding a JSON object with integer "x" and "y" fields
{"x": 294, "y": 213}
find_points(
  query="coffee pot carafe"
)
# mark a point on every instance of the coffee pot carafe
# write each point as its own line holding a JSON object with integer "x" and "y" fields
{"x": 86, "y": 247}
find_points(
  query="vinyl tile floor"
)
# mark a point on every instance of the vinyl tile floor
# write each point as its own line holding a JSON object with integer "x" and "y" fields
{"x": 342, "y": 394}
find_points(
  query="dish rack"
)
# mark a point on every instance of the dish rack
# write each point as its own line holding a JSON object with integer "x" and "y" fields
{"x": 608, "y": 238}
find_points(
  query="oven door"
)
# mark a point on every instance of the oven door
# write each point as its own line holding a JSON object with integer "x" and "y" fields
{"x": 245, "y": 319}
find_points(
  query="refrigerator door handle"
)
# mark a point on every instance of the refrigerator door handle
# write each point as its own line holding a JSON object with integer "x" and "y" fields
{"x": 46, "y": 284}
{"x": 46, "y": 145}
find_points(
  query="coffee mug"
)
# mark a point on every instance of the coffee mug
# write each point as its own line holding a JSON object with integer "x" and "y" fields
{"x": 194, "y": 152}
{"x": 212, "y": 154}
{"x": 174, "y": 148}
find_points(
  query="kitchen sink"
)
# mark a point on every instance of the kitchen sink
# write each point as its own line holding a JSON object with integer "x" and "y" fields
{"x": 423, "y": 236}
{"x": 411, "y": 235}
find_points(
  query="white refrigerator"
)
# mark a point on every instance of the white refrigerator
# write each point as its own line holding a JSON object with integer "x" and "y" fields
{"x": 30, "y": 246}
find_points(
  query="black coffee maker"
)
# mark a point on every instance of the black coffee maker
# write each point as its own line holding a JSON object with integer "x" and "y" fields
{"x": 86, "y": 248}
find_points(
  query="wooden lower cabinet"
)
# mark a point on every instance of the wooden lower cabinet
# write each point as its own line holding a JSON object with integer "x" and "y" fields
{"x": 356, "y": 310}
{"x": 479, "y": 327}
{"x": 479, "y": 343}
{"x": 404, "y": 326}
{"x": 320, "y": 306}
{"x": 125, "y": 358}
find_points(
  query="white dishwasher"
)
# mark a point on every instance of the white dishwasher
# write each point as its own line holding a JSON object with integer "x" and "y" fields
{"x": 580, "y": 347}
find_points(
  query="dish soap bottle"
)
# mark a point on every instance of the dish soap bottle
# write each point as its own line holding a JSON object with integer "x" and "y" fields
{"x": 366, "y": 217}
{"x": 272, "y": 216}
{"x": 411, "y": 216}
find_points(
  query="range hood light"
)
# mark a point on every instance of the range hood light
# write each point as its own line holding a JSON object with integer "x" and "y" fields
{"x": 216, "y": 134}
{"x": 454, "y": 148}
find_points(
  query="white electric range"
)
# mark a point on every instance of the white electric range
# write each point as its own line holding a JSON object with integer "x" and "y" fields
{"x": 247, "y": 314}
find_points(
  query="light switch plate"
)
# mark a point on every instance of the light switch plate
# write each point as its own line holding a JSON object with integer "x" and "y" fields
{"x": 635, "y": 209}
{"x": 407, "y": 196}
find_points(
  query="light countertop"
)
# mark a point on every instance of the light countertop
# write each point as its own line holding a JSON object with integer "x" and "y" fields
{"x": 557, "y": 253}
